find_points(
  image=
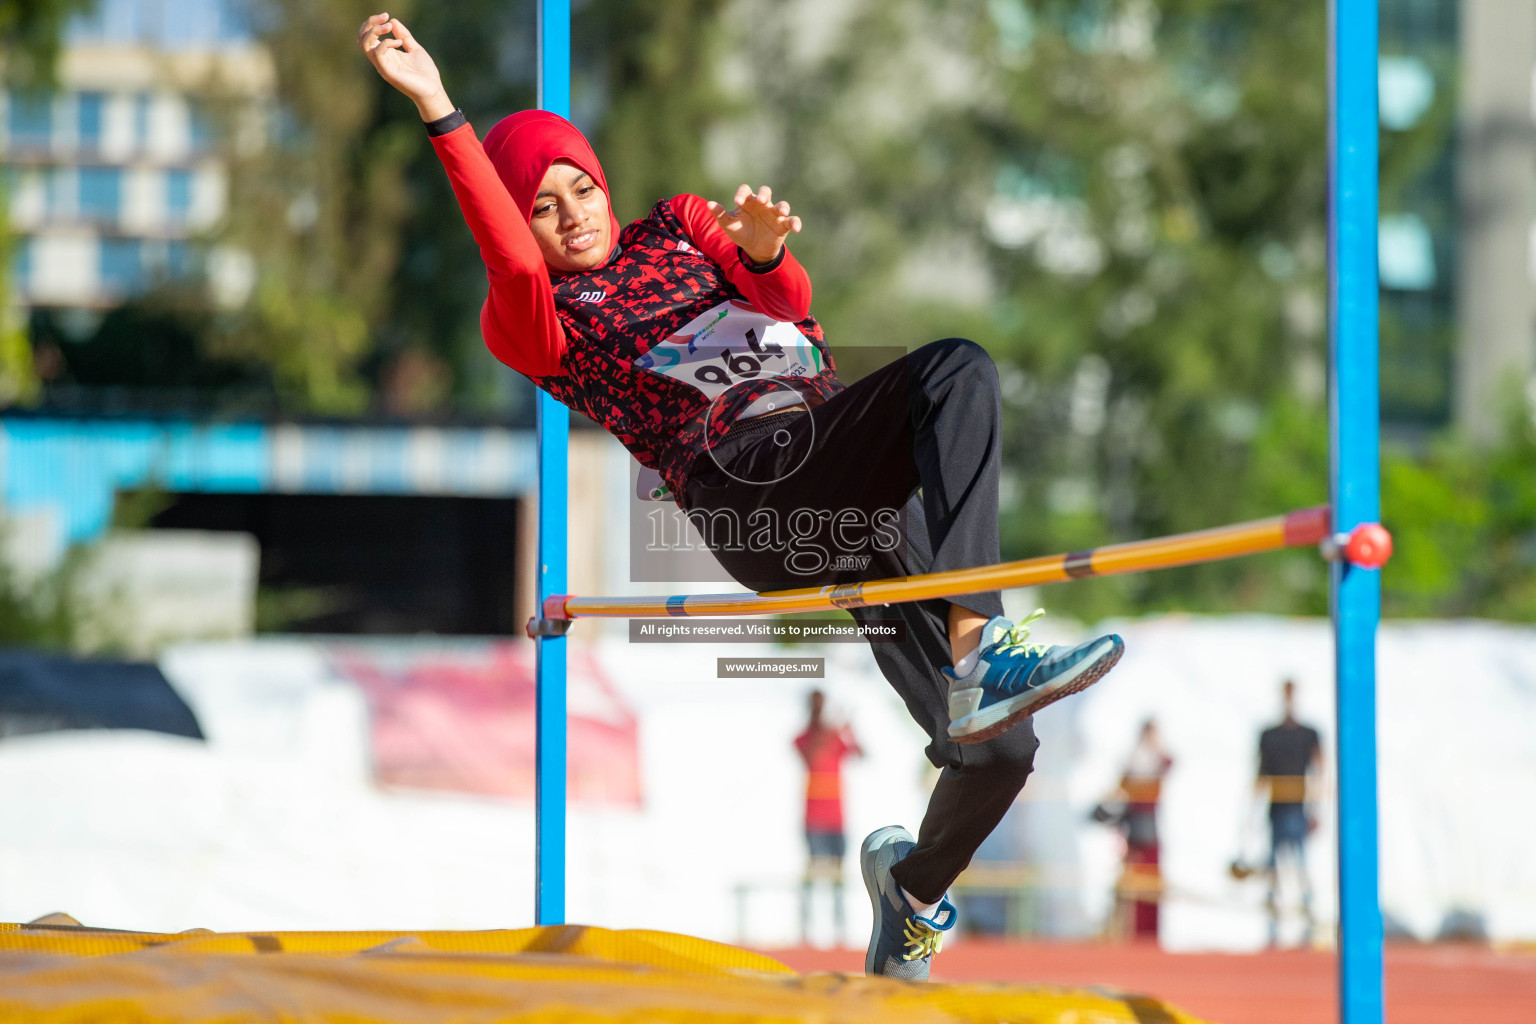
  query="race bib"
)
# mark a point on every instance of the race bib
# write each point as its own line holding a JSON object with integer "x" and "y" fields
{"x": 729, "y": 345}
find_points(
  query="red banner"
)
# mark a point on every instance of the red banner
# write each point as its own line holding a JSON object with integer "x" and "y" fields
{"x": 461, "y": 717}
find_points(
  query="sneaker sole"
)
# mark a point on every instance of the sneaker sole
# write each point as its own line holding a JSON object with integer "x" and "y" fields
{"x": 868, "y": 855}
{"x": 1091, "y": 671}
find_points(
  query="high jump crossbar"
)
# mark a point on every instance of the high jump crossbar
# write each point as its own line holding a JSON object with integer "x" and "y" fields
{"x": 1368, "y": 544}
{"x": 1354, "y": 486}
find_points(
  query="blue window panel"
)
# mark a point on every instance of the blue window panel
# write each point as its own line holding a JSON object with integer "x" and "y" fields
{"x": 30, "y": 121}
{"x": 121, "y": 270}
{"x": 21, "y": 262}
{"x": 61, "y": 192}
{"x": 201, "y": 128}
{"x": 180, "y": 260}
{"x": 101, "y": 193}
{"x": 178, "y": 194}
{"x": 141, "y": 120}
{"x": 88, "y": 118}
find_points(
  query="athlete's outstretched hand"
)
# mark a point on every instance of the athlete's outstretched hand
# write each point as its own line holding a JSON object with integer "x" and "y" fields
{"x": 757, "y": 223}
{"x": 405, "y": 64}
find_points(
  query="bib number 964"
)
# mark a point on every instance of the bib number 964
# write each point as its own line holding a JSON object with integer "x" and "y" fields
{"x": 729, "y": 345}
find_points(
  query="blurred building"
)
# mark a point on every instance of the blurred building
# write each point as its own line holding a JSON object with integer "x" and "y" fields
{"x": 112, "y": 178}
{"x": 1458, "y": 232}
{"x": 116, "y": 184}
{"x": 1496, "y": 171}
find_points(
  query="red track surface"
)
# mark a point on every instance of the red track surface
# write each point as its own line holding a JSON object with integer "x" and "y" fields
{"x": 1425, "y": 984}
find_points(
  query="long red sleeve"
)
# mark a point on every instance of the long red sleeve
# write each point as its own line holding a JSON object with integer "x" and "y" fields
{"x": 518, "y": 319}
{"x": 784, "y": 292}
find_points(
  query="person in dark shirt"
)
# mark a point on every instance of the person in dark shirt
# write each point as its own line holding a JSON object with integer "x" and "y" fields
{"x": 1288, "y": 753}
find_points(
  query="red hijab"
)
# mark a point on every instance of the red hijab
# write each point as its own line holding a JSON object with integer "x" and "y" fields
{"x": 523, "y": 146}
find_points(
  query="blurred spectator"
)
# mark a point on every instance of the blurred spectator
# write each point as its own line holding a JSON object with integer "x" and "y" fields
{"x": 1133, "y": 809}
{"x": 1287, "y": 753}
{"x": 823, "y": 748}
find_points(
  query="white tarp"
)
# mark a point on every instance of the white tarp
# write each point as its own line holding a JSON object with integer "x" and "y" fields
{"x": 1457, "y": 769}
{"x": 150, "y": 588}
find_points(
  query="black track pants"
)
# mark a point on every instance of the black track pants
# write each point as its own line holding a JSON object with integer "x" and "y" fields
{"x": 810, "y": 498}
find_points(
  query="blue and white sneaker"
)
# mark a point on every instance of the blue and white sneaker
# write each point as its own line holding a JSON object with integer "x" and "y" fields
{"x": 902, "y": 944}
{"x": 1013, "y": 678}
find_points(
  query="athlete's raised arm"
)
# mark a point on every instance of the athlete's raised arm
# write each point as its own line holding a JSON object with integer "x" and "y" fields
{"x": 405, "y": 64}
{"x": 518, "y": 320}
{"x": 748, "y": 242}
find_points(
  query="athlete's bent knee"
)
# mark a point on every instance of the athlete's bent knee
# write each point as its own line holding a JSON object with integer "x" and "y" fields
{"x": 967, "y": 360}
{"x": 1010, "y": 755}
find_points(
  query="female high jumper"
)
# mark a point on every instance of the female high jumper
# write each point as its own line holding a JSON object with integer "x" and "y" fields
{"x": 688, "y": 336}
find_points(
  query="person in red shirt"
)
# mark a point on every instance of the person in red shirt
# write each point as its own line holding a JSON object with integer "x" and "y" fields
{"x": 688, "y": 335}
{"x": 823, "y": 748}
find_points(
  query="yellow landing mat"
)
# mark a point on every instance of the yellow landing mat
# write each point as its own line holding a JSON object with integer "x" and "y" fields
{"x": 571, "y": 973}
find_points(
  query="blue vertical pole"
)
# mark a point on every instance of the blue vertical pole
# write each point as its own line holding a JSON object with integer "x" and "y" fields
{"x": 1356, "y": 489}
{"x": 554, "y": 435}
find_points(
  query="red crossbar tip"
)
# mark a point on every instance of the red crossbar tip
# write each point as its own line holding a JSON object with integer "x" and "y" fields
{"x": 1369, "y": 546}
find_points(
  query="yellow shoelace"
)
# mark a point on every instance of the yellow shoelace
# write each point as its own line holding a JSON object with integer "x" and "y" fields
{"x": 1018, "y": 636}
{"x": 922, "y": 941}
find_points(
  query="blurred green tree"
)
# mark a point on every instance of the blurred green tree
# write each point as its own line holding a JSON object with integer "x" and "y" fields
{"x": 368, "y": 286}
{"x": 1122, "y": 200}
{"x": 43, "y": 612}
{"x": 318, "y": 205}
{"x": 1174, "y": 317}
{"x": 18, "y": 374}
{"x": 1125, "y": 202}
{"x": 657, "y": 68}
{"x": 430, "y": 353}
{"x": 1464, "y": 517}
{"x": 30, "y": 35}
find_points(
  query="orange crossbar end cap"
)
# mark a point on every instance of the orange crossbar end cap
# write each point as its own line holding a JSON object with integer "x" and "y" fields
{"x": 1369, "y": 546}
{"x": 554, "y": 622}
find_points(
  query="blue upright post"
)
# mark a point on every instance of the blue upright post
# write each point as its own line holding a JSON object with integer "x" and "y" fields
{"x": 1356, "y": 487}
{"x": 554, "y": 434}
